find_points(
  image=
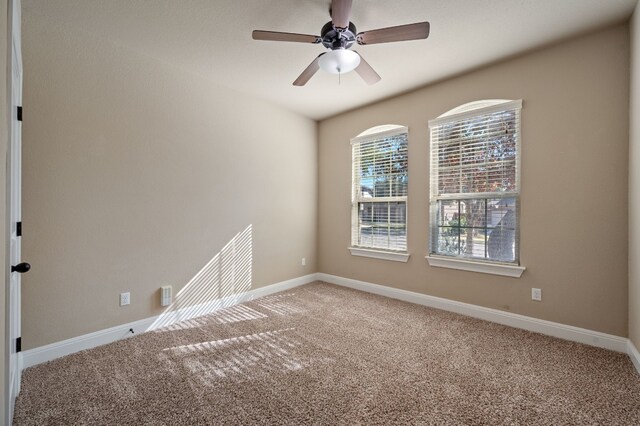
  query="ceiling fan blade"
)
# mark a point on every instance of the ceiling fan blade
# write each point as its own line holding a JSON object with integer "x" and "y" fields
{"x": 368, "y": 74}
{"x": 391, "y": 34}
{"x": 308, "y": 72}
{"x": 276, "y": 36}
{"x": 340, "y": 13}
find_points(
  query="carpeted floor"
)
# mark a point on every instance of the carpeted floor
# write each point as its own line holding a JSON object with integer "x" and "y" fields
{"x": 327, "y": 355}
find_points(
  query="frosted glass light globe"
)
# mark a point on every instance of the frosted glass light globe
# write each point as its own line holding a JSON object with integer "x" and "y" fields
{"x": 339, "y": 61}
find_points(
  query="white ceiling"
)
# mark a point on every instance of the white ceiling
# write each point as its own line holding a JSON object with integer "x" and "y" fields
{"x": 213, "y": 38}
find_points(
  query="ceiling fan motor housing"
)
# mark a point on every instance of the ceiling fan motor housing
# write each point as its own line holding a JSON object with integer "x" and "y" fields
{"x": 338, "y": 38}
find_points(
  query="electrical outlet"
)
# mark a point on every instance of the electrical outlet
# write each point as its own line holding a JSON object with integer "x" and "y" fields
{"x": 536, "y": 294}
{"x": 304, "y": 261}
{"x": 125, "y": 298}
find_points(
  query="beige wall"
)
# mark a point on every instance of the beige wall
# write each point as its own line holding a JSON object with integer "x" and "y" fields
{"x": 574, "y": 184}
{"x": 138, "y": 174}
{"x": 634, "y": 183}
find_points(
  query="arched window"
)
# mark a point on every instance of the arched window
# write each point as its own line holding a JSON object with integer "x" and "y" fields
{"x": 379, "y": 195}
{"x": 475, "y": 182}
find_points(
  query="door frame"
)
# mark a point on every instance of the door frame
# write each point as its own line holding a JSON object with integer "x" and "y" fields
{"x": 13, "y": 359}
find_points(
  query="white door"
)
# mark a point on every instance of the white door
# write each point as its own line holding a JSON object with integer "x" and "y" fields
{"x": 15, "y": 181}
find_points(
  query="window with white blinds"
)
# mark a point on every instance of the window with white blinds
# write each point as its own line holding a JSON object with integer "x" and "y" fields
{"x": 379, "y": 194}
{"x": 475, "y": 182}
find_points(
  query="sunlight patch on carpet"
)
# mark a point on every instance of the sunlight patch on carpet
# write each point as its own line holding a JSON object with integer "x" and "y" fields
{"x": 280, "y": 304}
{"x": 242, "y": 355}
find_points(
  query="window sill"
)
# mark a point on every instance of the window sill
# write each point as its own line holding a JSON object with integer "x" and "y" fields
{"x": 468, "y": 265}
{"x": 379, "y": 254}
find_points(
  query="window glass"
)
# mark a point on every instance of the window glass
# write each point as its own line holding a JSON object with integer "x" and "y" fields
{"x": 475, "y": 193}
{"x": 380, "y": 182}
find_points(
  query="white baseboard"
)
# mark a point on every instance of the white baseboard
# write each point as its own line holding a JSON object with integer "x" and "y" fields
{"x": 567, "y": 332}
{"x": 42, "y": 354}
{"x": 55, "y": 350}
{"x": 52, "y": 351}
{"x": 634, "y": 355}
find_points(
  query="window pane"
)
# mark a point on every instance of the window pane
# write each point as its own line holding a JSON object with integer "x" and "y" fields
{"x": 477, "y": 228}
{"x": 366, "y": 213}
{"x": 398, "y": 237}
{"x": 473, "y": 213}
{"x": 448, "y": 240}
{"x": 383, "y": 225}
{"x": 382, "y": 187}
{"x": 473, "y": 242}
{"x": 448, "y": 213}
{"x": 366, "y": 187}
{"x": 380, "y": 236}
{"x": 366, "y": 224}
{"x": 399, "y": 185}
{"x": 501, "y": 235}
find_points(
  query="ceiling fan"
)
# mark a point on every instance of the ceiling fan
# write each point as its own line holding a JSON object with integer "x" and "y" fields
{"x": 338, "y": 35}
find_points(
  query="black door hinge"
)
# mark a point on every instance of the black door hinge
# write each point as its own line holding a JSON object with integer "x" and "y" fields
{"x": 19, "y": 229}
{"x": 19, "y": 344}
{"x": 19, "y": 113}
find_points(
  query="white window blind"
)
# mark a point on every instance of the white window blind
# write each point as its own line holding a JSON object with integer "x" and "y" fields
{"x": 379, "y": 194}
{"x": 475, "y": 182}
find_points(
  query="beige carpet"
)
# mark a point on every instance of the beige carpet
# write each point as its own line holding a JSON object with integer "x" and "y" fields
{"x": 322, "y": 354}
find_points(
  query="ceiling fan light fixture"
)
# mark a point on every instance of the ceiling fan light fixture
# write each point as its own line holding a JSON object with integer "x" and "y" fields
{"x": 339, "y": 61}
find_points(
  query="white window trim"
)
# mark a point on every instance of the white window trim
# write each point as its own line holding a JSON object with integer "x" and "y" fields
{"x": 383, "y": 130}
{"x": 380, "y": 254}
{"x": 472, "y": 109}
{"x": 476, "y": 266}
